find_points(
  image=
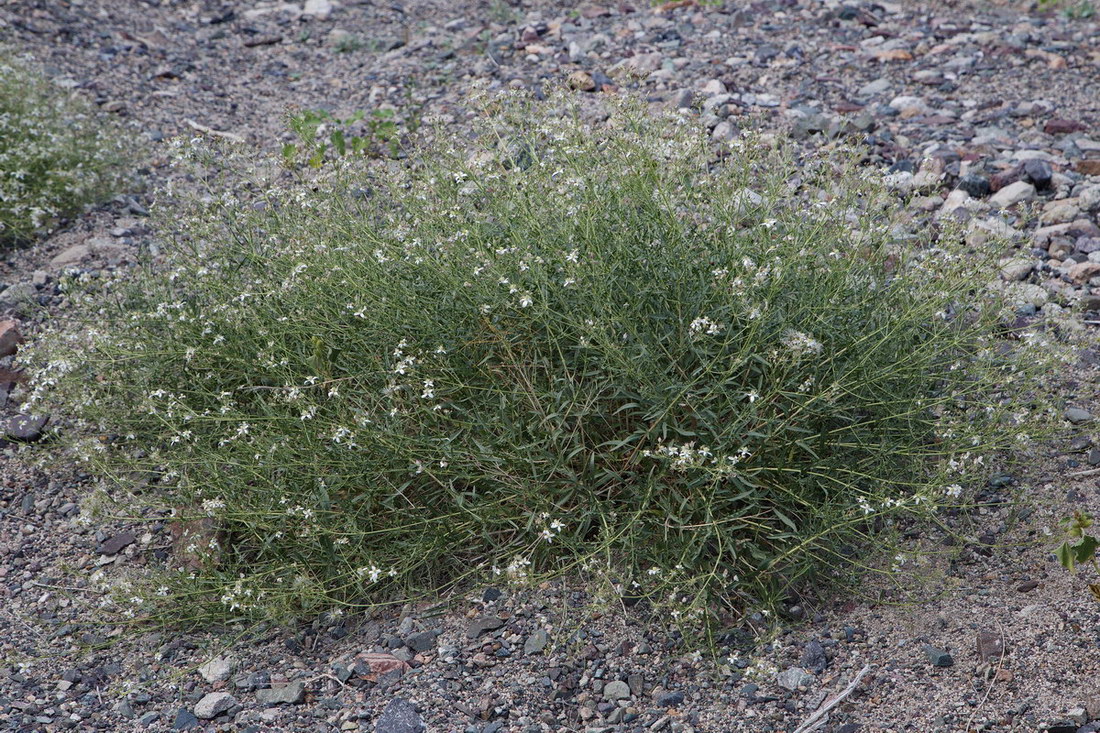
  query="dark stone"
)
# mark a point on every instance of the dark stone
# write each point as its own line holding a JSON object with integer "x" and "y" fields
{"x": 399, "y": 717}
{"x": 25, "y": 428}
{"x": 848, "y": 728}
{"x": 1004, "y": 178}
{"x": 1028, "y": 586}
{"x": 490, "y": 595}
{"x": 185, "y": 720}
{"x": 974, "y": 185}
{"x": 482, "y": 625}
{"x": 670, "y": 699}
{"x": 1087, "y": 245}
{"x": 813, "y": 657}
{"x": 421, "y": 641}
{"x": 115, "y": 545}
{"x": 1038, "y": 172}
{"x": 938, "y": 657}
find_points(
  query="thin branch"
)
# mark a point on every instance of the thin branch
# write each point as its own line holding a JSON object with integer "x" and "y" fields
{"x": 818, "y": 717}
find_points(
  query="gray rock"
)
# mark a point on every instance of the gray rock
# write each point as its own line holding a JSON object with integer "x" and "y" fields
{"x": 795, "y": 677}
{"x": 291, "y": 694}
{"x": 482, "y": 625}
{"x": 421, "y": 641}
{"x": 616, "y": 690}
{"x": 813, "y": 657}
{"x": 216, "y": 669}
{"x": 1012, "y": 194}
{"x": 185, "y": 720}
{"x": 213, "y": 705}
{"x": 1077, "y": 416}
{"x": 24, "y": 428}
{"x": 536, "y": 642}
{"x": 938, "y": 657}
{"x": 319, "y": 9}
{"x": 399, "y": 717}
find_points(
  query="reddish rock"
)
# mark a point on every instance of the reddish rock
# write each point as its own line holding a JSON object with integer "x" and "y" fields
{"x": 1063, "y": 127}
{"x": 1088, "y": 167}
{"x": 10, "y": 338}
{"x": 373, "y": 665}
{"x": 1006, "y": 178}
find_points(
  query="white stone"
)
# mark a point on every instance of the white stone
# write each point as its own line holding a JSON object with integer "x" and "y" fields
{"x": 213, "y": 705}
{"x": 1012, "y": 194}
{"x": 319, "y": 9}
{"x": 217, "y": 669}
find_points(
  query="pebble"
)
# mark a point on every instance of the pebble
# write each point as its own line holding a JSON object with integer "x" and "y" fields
{"x": 1077, "y": 415}
{"x": 616, "y": 690}
{"x": 292, "y": 693}
{"x": 536, "y": 642}
{"x": 399, "y": 716}
{"x": 795, "y": 677}
{"x": 217, "y": 669}
{"x": 213, "y": 704}
{"x": 938, "y": 657}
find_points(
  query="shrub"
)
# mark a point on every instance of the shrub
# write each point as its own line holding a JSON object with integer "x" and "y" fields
{"x": 56, "y": 154}
{"x": 564, "y": 345}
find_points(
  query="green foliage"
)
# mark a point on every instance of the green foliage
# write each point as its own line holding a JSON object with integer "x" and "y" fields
{"x": 323, "y": 136}
{"x": 57, "y": 154}
{"x": 1072, "y": 9}
{"x": 562, "y": 347}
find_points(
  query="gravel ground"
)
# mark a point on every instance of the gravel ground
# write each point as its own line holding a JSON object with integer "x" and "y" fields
{"x": 984, "y": 112}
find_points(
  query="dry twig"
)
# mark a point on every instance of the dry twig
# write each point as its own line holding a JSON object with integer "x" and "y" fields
{"x": 819, "y": 716}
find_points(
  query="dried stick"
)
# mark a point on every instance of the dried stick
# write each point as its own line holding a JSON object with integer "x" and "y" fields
{"x": 231, "y": 136}
{"x": 818, "y": 717}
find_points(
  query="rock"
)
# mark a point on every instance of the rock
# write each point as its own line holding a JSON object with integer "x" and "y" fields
{"x": 185, "y": 720}
{"x": 989, "y": 646}
{"x": 536, "y": 642}
{"x": 1016, "y": 270}
{"x": 642, "y": 64}
{"x": 373, "y": 665}
{"x": 1088, "y": 167}
{"x": 213, "y": 705}
{"x": 1063, "y": 127}
{"x": 813, "y": 657}
{"x": 483, "y": 625}
{"x": 1078, "y": 715}
{"x": 1012, "y": 194}
{"x": 217, "y": 669}
{"x": 975, "y": 185}
{"x": 938, "y": 657}
{"x": 421, "y": 641}
{"x": 1077, "y": 416}
{"x": 582, "y": 81}
{"x": 616, "y": 690}
{"x": 1082, "y": 272}
{"x": 115, "y": 544}
{"x": 1038, "y": 172}
{"x": 670, "y": 699}
{"x": 71, "y": 256}
{"x": 24, "y": 428}
{"x": 870, "y": 89}
{"x": 292, "y": 693}
{"x": 319, "y": 9}
{"x": 10, "y": 337}
{"x": 18, "y": 294}
{"x": 399, "y": 716}
{"x": 794, "y": 677}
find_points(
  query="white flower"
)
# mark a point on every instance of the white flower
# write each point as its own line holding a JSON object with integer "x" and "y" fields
{"x": 752, "y": 396}
{"x": 525, "y": 300}
{"x": 429, "y": 389}
{"x": 954, "y": 490}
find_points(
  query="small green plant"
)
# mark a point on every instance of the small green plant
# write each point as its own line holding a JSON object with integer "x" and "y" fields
{"x": 1071, "y": 9}
{"x": 561, "y": 347}
{"x": 57, "y": 154}
{"x": 348, "y": 44}
{"x": 322, "y": 136}
{"x": 1079, "y": 548}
